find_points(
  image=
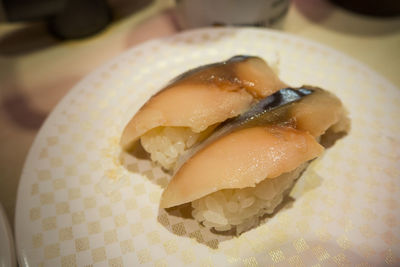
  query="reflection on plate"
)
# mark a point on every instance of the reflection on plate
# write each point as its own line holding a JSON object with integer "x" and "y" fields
{"x": 346, "y": 207}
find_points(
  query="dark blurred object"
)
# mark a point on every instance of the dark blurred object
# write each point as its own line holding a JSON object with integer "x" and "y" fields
{"x": 204, "y": 13}
{"x": 380, "y": 8}
{"x": 67, "y": 19}
{"x": 25, "y": 10}
{"x": 124, "y": 8}
{"x": 80, "y": 18}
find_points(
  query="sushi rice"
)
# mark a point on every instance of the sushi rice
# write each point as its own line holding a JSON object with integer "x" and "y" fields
{"x": 241, "y": 209}
{"x": 166, "y": 144}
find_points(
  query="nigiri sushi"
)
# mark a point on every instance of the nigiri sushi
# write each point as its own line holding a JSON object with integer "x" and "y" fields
{"x": 187, "y": 110}
{"x": 245, "y": 168}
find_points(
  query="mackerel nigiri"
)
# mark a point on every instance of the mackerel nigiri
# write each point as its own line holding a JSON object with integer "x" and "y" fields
{"x": 243, "y": 170}
{"x": 188, "y": 109}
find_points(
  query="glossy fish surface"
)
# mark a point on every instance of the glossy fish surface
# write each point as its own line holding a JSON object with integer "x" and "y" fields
{"x": 205, "y": 96}
{"x": 275, "y": 136}
{"x": 240, "y": 159}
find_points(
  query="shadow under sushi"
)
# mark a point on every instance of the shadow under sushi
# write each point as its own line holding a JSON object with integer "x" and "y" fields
{"x": 330, "y": 138}
{"x": 179, "y": 221}
{"x": 138, "y": 161}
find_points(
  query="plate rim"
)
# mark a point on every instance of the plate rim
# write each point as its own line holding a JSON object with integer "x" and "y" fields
{"x": 29, "y": 159}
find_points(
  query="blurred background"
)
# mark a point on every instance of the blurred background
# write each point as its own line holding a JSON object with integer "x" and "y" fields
{"x": 47, "y": 46}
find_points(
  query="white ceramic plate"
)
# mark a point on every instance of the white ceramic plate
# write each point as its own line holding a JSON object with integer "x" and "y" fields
{"x": 347, "y": 204}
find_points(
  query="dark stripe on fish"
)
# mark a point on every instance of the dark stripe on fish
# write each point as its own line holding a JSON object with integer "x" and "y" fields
{"x": 190, "y": 72}
{"x": 274, "y": 109}
{"x": 280, "y": 98}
